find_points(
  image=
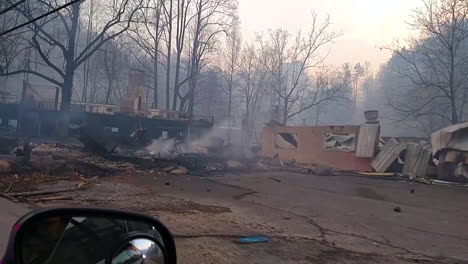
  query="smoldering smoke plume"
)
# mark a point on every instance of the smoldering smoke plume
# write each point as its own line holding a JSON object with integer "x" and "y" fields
{"x": 208, "y": 144}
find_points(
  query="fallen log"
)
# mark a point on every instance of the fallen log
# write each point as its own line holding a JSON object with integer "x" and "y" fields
{"x": 55, "y": 179}
{"x": 52, "y": 198}
{"x": 33, "y": 193}
{"x": 81, "y": 185}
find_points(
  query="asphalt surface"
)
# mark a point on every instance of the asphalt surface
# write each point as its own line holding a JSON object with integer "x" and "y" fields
{"x": 307, "y": 218}
{"x": 354, "y": 213}
{"x": 359, "y": 213}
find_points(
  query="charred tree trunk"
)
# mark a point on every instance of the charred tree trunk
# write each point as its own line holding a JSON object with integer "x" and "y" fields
{"x": 180, "y": 38}
{"x": 169, "y": 53}
{"x": 67, "y": 86}
{"x": 108, "y": 92}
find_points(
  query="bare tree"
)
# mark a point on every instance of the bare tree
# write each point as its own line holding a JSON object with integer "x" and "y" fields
{"x": 435, "y": 63}
{"x": 95, "y": 73}
{"x": 113, "y": 61}
{"x": 147, "y": 35}
{"x": 182, "y": 23}
{"x": 293, "y": 60}
{"x": 254, "y": 78}
{"x": 46, "y": 40}
{"x": 329, "y": 87}
{"x": 211, "y": 18}
{"x": 90, "y": 19}
{"x": 12, "y": 45}
{"x": 168, "y": 8}
{"x": 230, "y": 56}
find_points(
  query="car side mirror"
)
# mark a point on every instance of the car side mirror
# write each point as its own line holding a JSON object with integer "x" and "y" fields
{"x": 89, "y": 236}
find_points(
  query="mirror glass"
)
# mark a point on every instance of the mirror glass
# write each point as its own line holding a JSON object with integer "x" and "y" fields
{"x": 77, "y": 239}
{"x": 139, "y": 251}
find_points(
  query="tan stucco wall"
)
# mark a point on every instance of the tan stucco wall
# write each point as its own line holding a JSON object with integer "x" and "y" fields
{"x": 310, "y": 149}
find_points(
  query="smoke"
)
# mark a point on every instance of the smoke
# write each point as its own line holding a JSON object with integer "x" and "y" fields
{"x": 210, "y": 143}
{"x": 170, "y": 148}
{"x": 165, "y": 148}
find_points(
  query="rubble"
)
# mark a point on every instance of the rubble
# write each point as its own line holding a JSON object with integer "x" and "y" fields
{"x": 210, "y": 156}
{"x": 323, "y": 170}
{"x": 417, "y": 159}
{"x": 95, "y": 140}
{"x": 387, "y": 155}
{"x": 450, "y": 147}
{"x": 235, "y": 165}
{"x": 140, "y": 137}
{"x": 179, "y": 171}
{"x": 339, "y": 142}
{"x": 275, "y": 161}
{"x": 169, "y": 169}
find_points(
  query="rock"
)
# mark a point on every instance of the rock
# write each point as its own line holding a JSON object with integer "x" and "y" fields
{"x": 397, "y": 209}
{"x": 5, "y": 167}
{"x": 179, "y": 171}
{"x": 323, "y": 170}
{"x": 234, "y": 165}
{"x": 412, "y": 191}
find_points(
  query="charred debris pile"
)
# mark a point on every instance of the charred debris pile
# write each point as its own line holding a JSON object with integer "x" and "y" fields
{"x": 97, "y": 155}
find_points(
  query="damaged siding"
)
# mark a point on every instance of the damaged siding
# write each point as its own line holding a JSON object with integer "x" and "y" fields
{"x": 311, "y": 146}
{"x": 367, "y": 141}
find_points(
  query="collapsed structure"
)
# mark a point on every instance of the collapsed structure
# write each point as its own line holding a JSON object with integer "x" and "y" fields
{"x": 361, "y": 149}
{"x": 334, "y": 146}
{"x": 35, "y": 115}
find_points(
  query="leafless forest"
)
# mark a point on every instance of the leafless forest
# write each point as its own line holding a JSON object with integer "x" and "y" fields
{"x": 196, "y": 60}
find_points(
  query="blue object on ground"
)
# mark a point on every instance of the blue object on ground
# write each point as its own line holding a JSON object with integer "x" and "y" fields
{"x": 252, "y": 239}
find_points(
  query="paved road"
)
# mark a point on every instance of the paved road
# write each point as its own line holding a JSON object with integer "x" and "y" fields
{"x": 358, "y": 213}
{"x": 353, "y": 213}
{"x": 309, "y": 219}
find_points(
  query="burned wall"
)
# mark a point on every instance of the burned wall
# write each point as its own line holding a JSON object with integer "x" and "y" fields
{"x": 333, "y": 146}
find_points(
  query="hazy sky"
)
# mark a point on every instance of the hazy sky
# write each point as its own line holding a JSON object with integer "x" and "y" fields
{"x": 366, "y": 24}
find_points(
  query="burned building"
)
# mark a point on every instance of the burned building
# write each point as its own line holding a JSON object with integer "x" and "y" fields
{"x": 31, "y": 116}
{"x": 340, "y": 147}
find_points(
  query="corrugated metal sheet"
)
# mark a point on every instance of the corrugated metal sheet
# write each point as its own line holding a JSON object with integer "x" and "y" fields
{"x": 387, "y": 155}
{"x": 367, "y": 140}
{"x": 410, "y": 161}
{"x": 452, "y": 137}
{"x": 417, "y": 159}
